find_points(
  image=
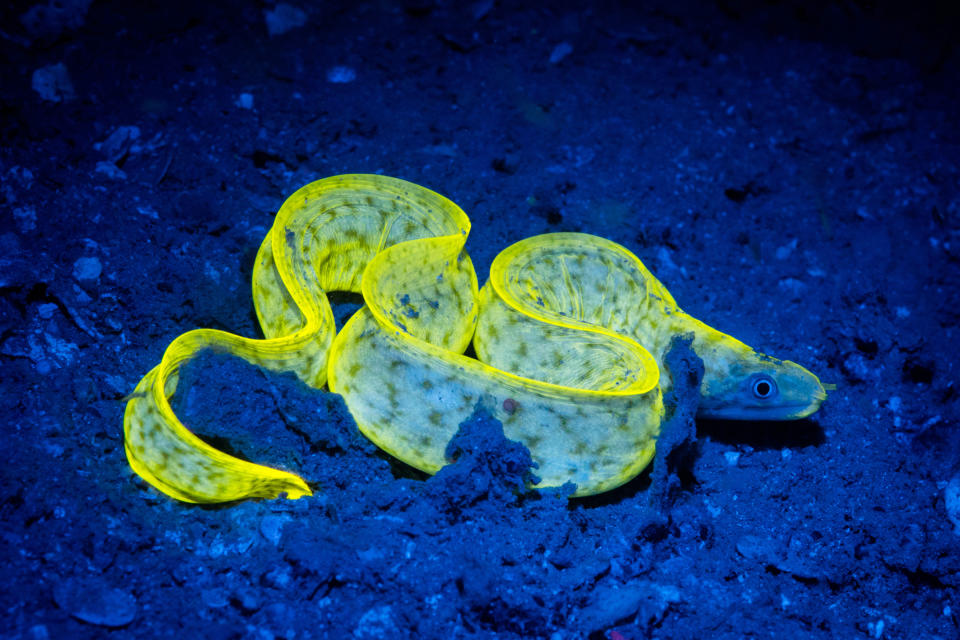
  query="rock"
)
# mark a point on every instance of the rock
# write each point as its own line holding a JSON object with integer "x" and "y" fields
{"x": 793, "y": 287}
{"x": 278, "y": 577}
{"x": 110, "y": 170}
{"x": 560, "y": 52}
{"x": 759, "y": 548}
{"x": 90, "y": 599}
{"x": 279, "y": 619}
{"x": 666, "y": 263}
{"x": 341, "y": 75}
{"x": 118, "y": 143}
{"x": 215, "y": 598}
{"x": 283, "y": 18}
{"x": 244, "y": 101}
{"x": 50, "y": 20}
{"x": 38, "y": 632}
{"x": 248, "y": 599}
{"x": 52, "y": 82}
{"x": 271, "y": 527}
{"x": 87, "y": 269}
{"x": 26, "y": 218}
{"x": 783, "y": 252}
{"x": 612, "y": 604}
{"x": 951, "y": 500}
{"x": 46, "y": 310}
{"x": 486, "y": 466}
{"x": 376, "y": 623}
{"x": 793, "y": 557}
{"x": 481, "y": 9}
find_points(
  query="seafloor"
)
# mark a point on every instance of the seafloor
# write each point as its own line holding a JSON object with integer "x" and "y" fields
{"x": 789, "y": 170}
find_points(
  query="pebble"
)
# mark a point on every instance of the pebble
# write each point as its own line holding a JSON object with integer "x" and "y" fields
{"x": 92, "y": 600}
{"x": 53, "y": 83}
{"x": 87, "y": 269}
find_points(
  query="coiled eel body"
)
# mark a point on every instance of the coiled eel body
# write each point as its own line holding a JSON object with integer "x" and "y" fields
{"x": 569, "y": 334}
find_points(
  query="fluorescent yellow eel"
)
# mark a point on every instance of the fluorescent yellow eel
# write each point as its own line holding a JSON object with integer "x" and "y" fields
{"x": 569, "y": 332}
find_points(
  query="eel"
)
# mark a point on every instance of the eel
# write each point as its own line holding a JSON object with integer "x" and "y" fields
{"x": 569, "y": 332}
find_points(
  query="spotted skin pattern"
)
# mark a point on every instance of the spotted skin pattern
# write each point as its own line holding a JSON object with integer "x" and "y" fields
{"x": 569, "y": 332}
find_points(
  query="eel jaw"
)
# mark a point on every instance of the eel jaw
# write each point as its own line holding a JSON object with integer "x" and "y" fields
{"x": 762, "y": 414}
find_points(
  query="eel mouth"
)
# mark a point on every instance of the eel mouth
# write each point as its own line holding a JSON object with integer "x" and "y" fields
{"x": 773, "y": 412}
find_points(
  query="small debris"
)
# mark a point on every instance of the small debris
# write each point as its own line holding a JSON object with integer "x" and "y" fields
{"x": 283, "y": 18}
{"x": 53, "y": 83}
{"x": 484, "y": 466}
{"x": 481, "y": 9}
{"x": 460, "y": 40}
{"x": 215, "y": 598}
{"x": 93, "y": 601}
{"x": 26, "y": 218}
{"x": 447, "y": 150}
{"x": 147, "y": 210}
{"x": 118, "y": 384}
{"x": 666, "y": 263}
{"x": 560, "y": 52}
{"x": 857, "y": 369}
{"x": 759, "y": 548}
{"x": 118, "y": 143}
{"x": 794, "y": 287}
{"x": 110, "y": 170}
{"x": 87, "y": 269}
{"x": 376, "y": 623}
{"x": 278, "y": 577}
{"x": 46, "y": 310}
{"x": 784, "y": 252}
{"x": 244, "y": 101}
{"x": 341, "y": 75}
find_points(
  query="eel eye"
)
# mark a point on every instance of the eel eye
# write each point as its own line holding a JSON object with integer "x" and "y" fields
{"x": 764, "y": 387}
